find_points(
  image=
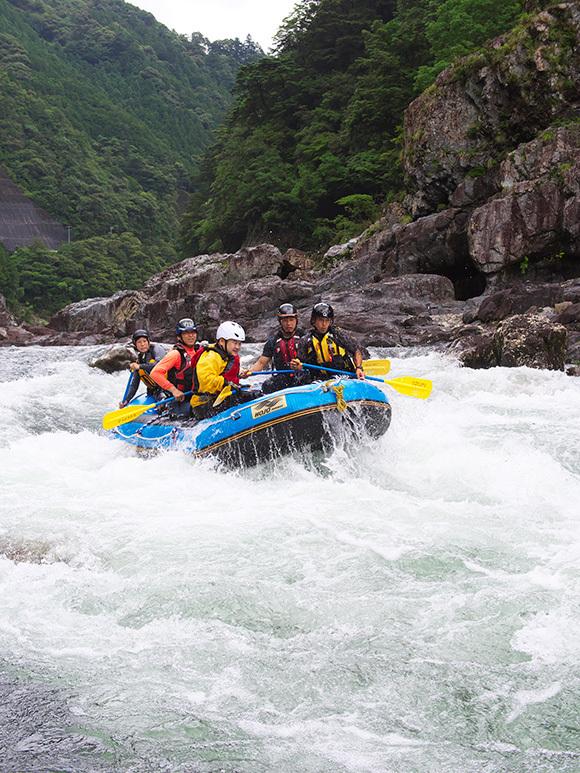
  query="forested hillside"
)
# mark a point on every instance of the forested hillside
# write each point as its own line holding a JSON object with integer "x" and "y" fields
{"x": 104, "y": 116}
{"x": 310, "y": 149}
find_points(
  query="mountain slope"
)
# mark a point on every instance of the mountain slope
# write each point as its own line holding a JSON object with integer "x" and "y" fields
{"x": 310, "y": 148}
{"x": 105, "y": 113}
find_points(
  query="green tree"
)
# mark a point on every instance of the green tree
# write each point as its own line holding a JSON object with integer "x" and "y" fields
{"x": 458, "y": 27}
{"x": 9, "y": 283}
{"x": 317, "y": 127}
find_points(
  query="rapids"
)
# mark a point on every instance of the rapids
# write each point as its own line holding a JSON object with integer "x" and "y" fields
{"x": 411, "y": 605}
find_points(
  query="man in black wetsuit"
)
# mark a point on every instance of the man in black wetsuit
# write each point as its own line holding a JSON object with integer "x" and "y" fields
{"x": 280, "y": 350}
{"x": 328, "y": 345}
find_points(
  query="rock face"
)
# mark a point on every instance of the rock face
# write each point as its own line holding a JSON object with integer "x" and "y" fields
{"x": 497, "y": 98}
{"x": 489, "y": 231}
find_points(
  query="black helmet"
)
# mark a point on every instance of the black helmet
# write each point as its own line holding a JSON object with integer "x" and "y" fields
{"x": 324, "y": 310}
{"x": 184, "y": 325}
{"x": 287, "y": 310}
{"x": 140, "y": 334}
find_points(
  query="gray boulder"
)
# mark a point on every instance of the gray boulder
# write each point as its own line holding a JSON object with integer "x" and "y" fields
{"x": 532, "y": 340}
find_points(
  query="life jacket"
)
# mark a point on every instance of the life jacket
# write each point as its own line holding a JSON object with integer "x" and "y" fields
{"x": 284, "y": 351}
{"x": 182, "y": 376}
{"x": 328, "y": 352}
{"x": 150, "y": 357}
{"x": 146, "y": 358}
{"x": 231, "y": 370}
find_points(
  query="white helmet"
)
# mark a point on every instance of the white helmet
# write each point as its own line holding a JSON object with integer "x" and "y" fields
{"x": 229, "y": 330}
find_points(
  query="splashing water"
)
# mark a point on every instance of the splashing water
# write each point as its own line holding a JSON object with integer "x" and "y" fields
{"x": 410, "y": 604}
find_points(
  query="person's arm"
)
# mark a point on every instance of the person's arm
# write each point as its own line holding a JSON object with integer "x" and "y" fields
{"x": 358, "y": 368}
{"x": 262, "y": 363}
{"x": 159, "y": 373}
{"x": 353, "y": 348}
{"x": 302, "y": 356}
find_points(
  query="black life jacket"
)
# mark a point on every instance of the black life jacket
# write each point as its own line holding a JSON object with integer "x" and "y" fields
{"x": 153, "y": 354}
{"x": 151, "y": 357}
{"x": 182, "y": 376}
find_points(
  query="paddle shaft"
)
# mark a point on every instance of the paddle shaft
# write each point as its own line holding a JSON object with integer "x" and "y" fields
{"x": 413, "y": 387}
{"x": 128, "y": 387}
{"x": 268, "y": 372}
{"x": 344, "y": 372}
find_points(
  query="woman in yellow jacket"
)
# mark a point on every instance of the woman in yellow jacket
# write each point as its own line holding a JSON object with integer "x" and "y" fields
{"x": 217, "y": 368}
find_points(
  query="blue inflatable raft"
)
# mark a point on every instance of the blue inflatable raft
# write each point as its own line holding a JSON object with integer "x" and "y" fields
{"x": 311, "y": 416}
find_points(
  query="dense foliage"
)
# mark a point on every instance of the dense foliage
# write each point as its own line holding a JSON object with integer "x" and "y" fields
{"x": 310, "y": 148}
{"x": 45, "y": 280}
{"x": 105, "y": 115}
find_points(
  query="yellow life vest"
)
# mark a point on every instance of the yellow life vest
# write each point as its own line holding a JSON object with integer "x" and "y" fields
{"x": 326, "y": 348}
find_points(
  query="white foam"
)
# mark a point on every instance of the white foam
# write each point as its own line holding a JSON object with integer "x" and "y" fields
{"x": 377, "y": 609}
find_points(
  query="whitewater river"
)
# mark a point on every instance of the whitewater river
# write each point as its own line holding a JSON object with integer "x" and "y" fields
{"x": 409, "y": 606}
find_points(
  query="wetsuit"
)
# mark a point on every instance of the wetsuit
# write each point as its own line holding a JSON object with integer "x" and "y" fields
{"x": 146, "y": 361}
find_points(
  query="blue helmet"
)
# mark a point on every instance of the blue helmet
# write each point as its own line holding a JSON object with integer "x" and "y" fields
{"x": 184, "y": 325}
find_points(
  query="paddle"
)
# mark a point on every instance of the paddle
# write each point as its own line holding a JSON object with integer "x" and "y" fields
{"x": 123, "y": 415}
{"x": 127, "y": 388}
{"x": 376, "y": 367}
{"x": 407, "y": 385}
{"x": 270, "y": 372}
{"x": 372, "y": 367}
{"x": 226, "y": 392}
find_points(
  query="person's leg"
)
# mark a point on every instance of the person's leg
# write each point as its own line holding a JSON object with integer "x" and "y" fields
{"x": 180, "y": 410}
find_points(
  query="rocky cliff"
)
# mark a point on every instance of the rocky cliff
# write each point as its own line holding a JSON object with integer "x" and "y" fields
{"x": 489, "y": 227}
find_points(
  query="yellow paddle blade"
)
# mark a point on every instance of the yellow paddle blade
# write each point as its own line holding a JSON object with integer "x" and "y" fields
{"x": 226, "y": 392}
{"x": 376, "y": 367}
{"x": 122, "y": 415}
{"x": 414, "y": 387}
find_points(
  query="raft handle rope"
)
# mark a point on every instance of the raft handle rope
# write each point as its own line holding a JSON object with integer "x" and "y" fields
{"x": 341, "y": 403}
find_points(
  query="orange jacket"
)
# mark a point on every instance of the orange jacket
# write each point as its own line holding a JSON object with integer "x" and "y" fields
{"x": 171, "y": 360}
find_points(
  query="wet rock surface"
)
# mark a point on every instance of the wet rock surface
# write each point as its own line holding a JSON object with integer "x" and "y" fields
{"x": 489, "y": 228}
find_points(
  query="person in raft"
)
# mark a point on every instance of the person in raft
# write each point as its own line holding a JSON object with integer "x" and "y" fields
{"x": 218, "y": 367}
{"x": 280, "y": 350}
{"x": 174, "y": 374}
{"x": 148, "y": 355}
{"x": 328, "y": 345}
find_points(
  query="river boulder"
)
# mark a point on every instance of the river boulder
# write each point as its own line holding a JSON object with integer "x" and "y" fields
{"x": 532, "y": 340}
